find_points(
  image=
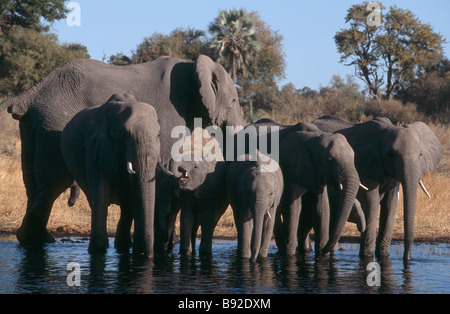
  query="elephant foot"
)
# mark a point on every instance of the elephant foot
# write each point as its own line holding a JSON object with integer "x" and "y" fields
{"x": 31, "y": 234}
{"x": 381, "y": 253}
{"x": 98, "y": 245}
{"x": 122, "y": 244}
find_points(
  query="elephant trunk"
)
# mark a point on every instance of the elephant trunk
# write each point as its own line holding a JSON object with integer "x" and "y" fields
{"x": 409, "y": 182}
{"x": 173, "y": 168}
{"x": 259, "y": 212}
{"x": 350, "y": 184}
{"x": 143, "y": 202}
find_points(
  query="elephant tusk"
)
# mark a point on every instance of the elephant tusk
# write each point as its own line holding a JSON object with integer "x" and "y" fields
{"x": 165, "y": 169}
{"x": 398, "y": 190}
{"x": 363, "y": 187}
{"x": 130, "y": 168}
{"x": 424, "y": 189}
{"x": 268, "y": 213}
{"x": 341, "y": 187}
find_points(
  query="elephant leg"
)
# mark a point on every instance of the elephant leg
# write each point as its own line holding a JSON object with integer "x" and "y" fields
{"x": 99, "y": 189}
{"x": 122, "y": 240}
{"x": 210, "y": 215}
{"x": 269, "y": 223}
{"x": 293, "y": 219}
{"x": 370, "y": 202}
{"x": 321, "y": 221}
{"x": 309, "y": 201}
{"x": 166, "y": 211}
{"x": 389, "y": 207}
{"x": 45, "y": 177}
{"x": 186, "y": 224}
{"x": 245, "y": 238}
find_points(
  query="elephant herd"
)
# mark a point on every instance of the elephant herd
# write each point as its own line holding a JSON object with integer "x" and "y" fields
{"x": 108, "y": 130}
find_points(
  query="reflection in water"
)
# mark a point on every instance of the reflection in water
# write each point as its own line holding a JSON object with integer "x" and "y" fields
{"x": 25, "y": 270}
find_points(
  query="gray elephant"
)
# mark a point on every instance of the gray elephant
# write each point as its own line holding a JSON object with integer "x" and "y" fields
{"x": 179, "y": 90}
{"x": 386, "y": 155}
{"x": 254, "y": 188}
{"x": 203, "y": 200}
{"x": 112, "y": 152}
{"x": 310, "y": 161}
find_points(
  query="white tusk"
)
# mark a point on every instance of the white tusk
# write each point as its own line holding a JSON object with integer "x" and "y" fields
{"x": 268, "y": 213}
{"x": 130, "y": 168}
{"x": 363, "y": 187}
{"x": 186, "y": 174}
{"x": 341, "y": 187}
{"x": 424, "y": 189}
{"x": 164, "y": 169}
{"x": 398, "y": 190}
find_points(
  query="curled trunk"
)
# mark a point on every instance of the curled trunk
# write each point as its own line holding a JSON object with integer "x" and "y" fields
{"x": 350, "y": 185}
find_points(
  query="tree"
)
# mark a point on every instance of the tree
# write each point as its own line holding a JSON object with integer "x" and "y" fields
{"x": 28, "y": 13}
{"x": 234, "y": 40}
{"x": 384, "y": 54}
{"x": 264, "y": 70}
{"x": 27, "y": 56}
{"x": 180, "y": 43}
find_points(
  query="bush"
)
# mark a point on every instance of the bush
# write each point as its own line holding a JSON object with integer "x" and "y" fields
{"x": 395, "y": 110}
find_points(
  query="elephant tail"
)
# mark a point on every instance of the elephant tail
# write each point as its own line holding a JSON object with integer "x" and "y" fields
{"x": 18, "y": 105}
{"x": 74, "y": 194}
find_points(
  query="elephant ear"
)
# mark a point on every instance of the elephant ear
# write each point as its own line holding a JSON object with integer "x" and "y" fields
{"x": 431, "y": 147}
{"x": 298, "y": 164}
{"x": 206, "y": 71}
{"x": 99, "y": 147}
{"x": 366, "y": 141}
{"x": 213, "y": 185}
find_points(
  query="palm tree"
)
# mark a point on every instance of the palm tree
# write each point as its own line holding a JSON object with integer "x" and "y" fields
{"x": 235, "y": 40}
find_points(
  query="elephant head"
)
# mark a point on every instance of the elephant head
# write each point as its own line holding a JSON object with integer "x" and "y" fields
{"x": 316, "y": 159}
{"x": 202, "y": 176}
{"x": 406, "y": 154}
{"x": 218, "y": 93}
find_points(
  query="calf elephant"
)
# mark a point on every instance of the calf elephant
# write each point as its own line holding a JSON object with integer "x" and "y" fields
{"x": 254, "y": 189}
{"x": 179, "y": 90}
{"x": 112, "y": 152}
{"x": 203, "y": 200}
{"x": 386, "y": 155}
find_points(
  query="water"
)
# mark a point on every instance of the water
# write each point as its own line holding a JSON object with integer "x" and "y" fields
{"x": 24, "y": 270}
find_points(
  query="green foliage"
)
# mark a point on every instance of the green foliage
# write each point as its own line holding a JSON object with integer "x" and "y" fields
{"x": 384, "y": 55}
{"x": 27, "y": 56}
{"x": 28, "y": 13}
{"x": 180, "y": 43}
{"x": 235, "y": 40}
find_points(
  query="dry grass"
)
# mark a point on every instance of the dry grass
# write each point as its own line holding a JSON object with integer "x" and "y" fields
{"x": 432, "y": 218}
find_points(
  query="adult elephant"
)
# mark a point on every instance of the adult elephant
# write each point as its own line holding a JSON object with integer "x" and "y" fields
{"x": 310, "y": 161}
{"x": 386, "y": 155}
{"x": 179, "y": 90}
{"x": 112, "y": 152}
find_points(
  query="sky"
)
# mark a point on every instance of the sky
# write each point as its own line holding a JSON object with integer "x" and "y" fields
{"x": 112, "y": 26}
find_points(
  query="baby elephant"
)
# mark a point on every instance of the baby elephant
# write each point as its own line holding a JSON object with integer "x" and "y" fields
{"x": 254, "y": 190}
{"x": 203, "y": 200}
{"x": 112, "y": 152}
